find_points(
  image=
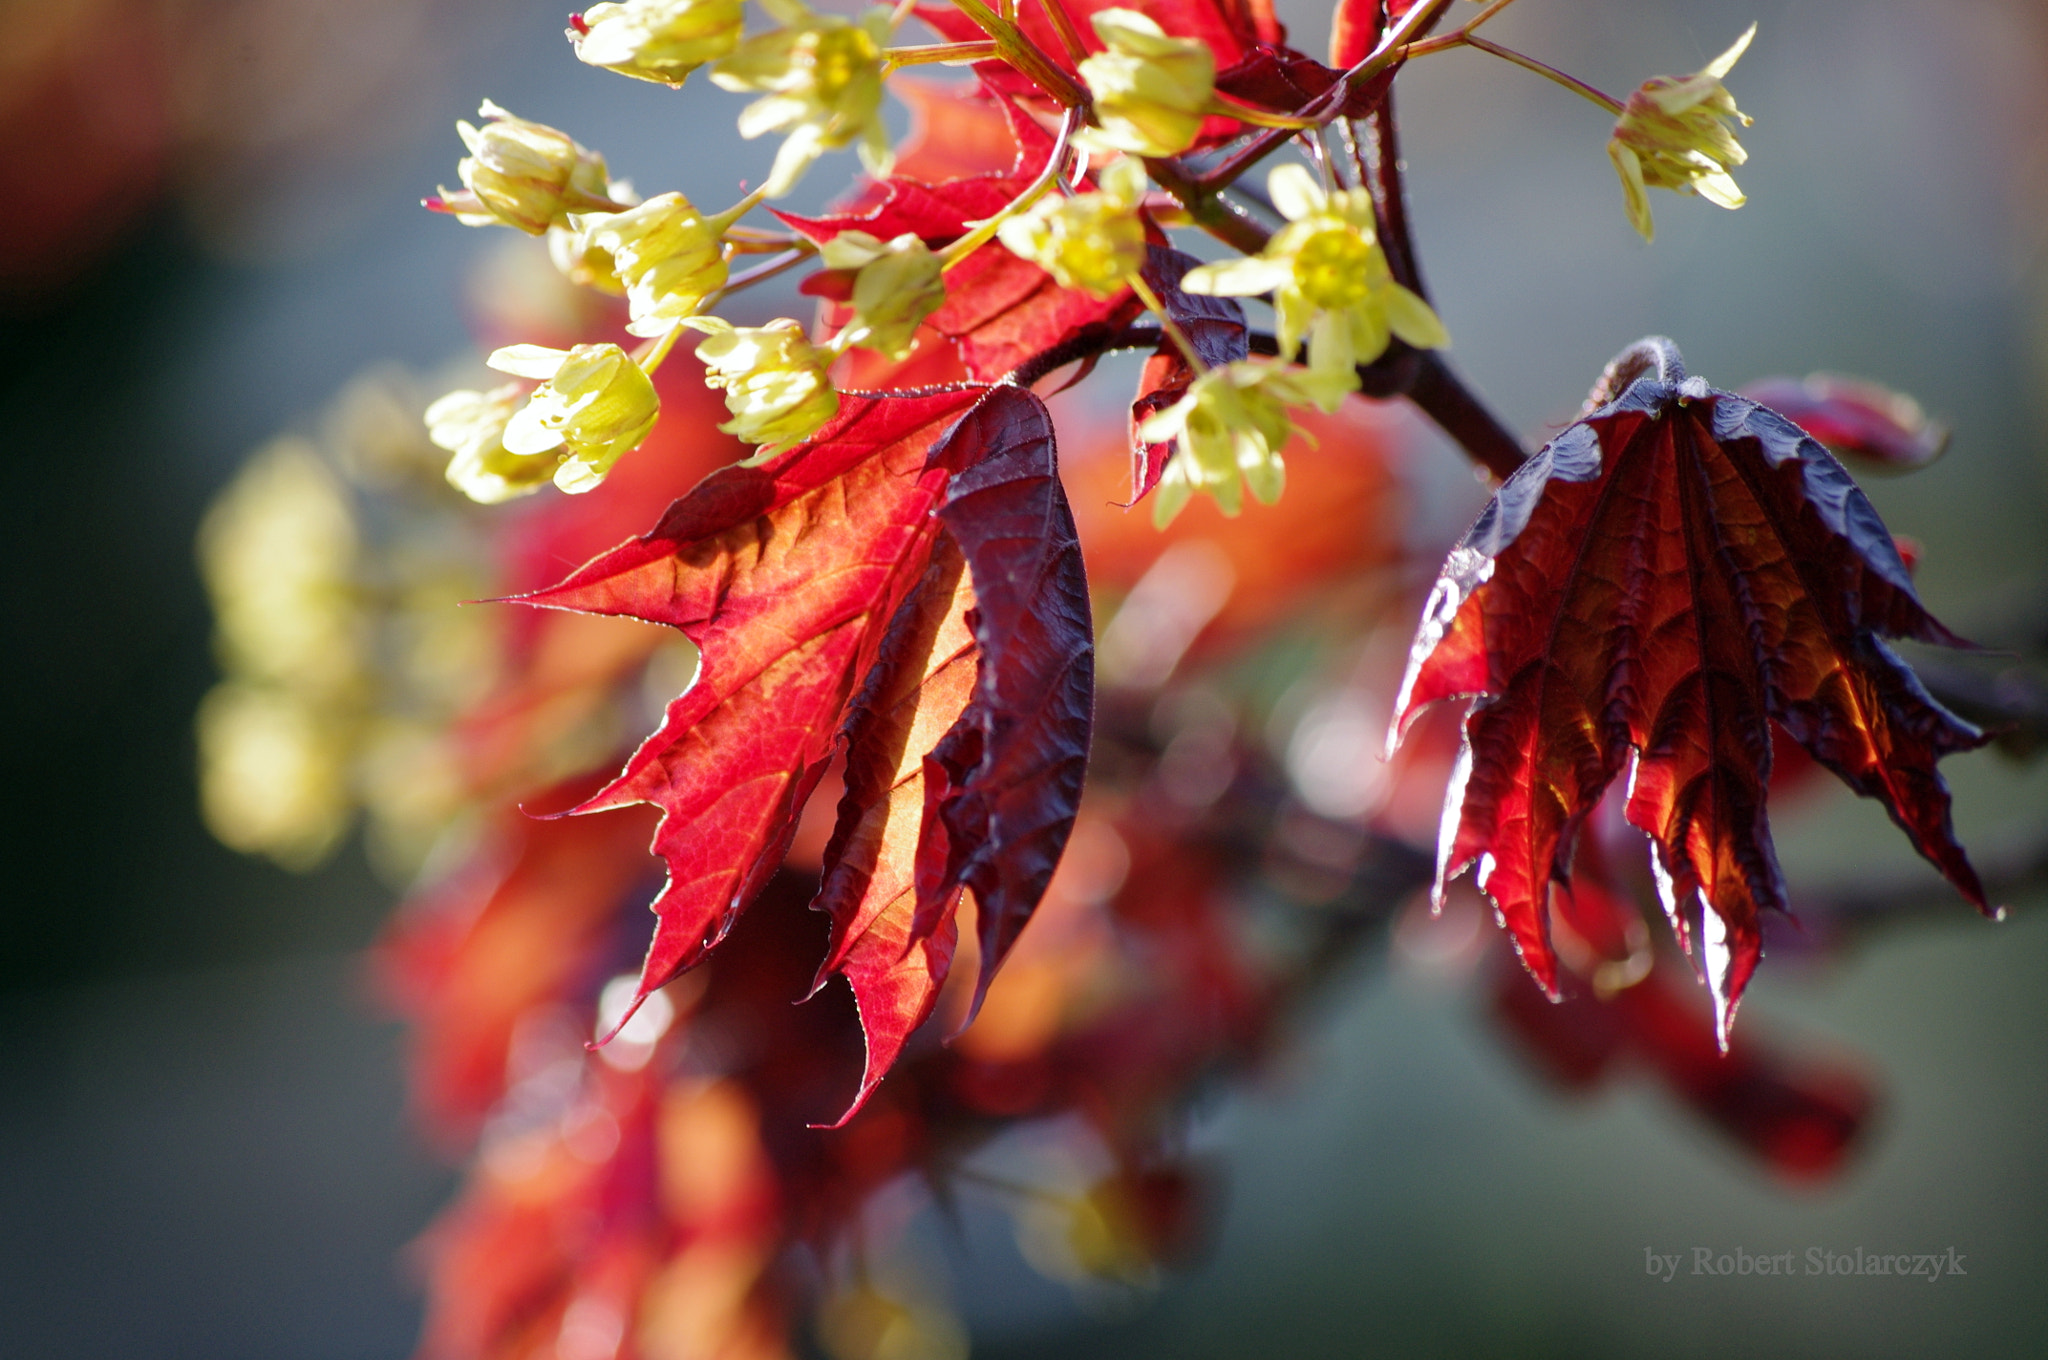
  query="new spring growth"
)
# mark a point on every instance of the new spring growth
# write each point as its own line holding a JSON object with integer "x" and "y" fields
{"x": 579, "y": 258}
{"x": 1092, "y": 241}
{"x": 523, "y": 174}
{"x": 773, "y": 377}
{"x": 1328, "y": 276}
{"x": 898, "y": 284}
{"x": 669, "y": 257}
{"x": 1150, "y": 91}
{"x": 821, "y": 81}
{"x": 1231, "y": 426}
{"x": 594, "y": 404}
{"x": 471, "y": 425}
{"x": 658, "y": 40}
{"x": 1675, "y": 133}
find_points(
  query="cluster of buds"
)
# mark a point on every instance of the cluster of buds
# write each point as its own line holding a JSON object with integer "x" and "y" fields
{"x": 820, "y": 80}
{"x": 1329, "y": 278}
{"x": 1674, "y": 134}
{"x": 1092, "y": 241}
{"x": 657, "y": 40}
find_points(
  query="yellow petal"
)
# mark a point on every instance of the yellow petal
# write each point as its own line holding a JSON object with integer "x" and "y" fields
{"x": 1294, "y": 191}
{"x": 1723, "y": 64}
{"x": 1635, "y": 198}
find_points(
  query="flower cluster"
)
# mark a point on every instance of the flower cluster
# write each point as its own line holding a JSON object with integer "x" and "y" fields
{"x": 774, "y": 379}
{"x": 1231, "y": 425}
{"x": 1674, "y": 134}
{"x": 523, "y": 174}
{"x": 1329, "y": 279}
{"x": 1091, "y": 241}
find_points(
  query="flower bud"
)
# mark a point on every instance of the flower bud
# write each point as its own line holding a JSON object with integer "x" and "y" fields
{"x": 658, "y": 40}
{"x": 525, "y": 175}
{"x": 1673, "y": 134}
{"x": 898, "y": 285}
{"x": 1232, "y": 424}
{"x": 594, "y": 404}
{"x": 774, "y": 380}
{"x": 471, "y": 425}
{"x": 821, "y": 77}
{"x": 579, "y": 258}
{"x": 1151, "y": 91}
{"x": 1091, "y": 241}
{"x": 668, "y": 256}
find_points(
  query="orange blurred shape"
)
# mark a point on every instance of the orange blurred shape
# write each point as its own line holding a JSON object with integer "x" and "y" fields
{"x": 524, "y": 926}
{"x": 1336, "y": 522}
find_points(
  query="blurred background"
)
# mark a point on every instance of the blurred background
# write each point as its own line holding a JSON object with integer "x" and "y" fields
{"x": 215, "y": 228}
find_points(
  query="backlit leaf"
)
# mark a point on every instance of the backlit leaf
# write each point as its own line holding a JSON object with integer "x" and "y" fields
{"x": 1668, "y": 577}
{"x": 1003, "y": 785}
{"x": 921, "y": 681}
{"x": 784, "y": 575}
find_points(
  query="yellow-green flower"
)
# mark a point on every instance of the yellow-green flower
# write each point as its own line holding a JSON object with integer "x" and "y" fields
{"x": 1093, "y": 241}
{"x": 1674, "y": 133}
{"x": 1150, "y": 91}
{"x": 820, "y": 77}
{"x": 1231, "y": 426}
{"x": 899, "y": 284}
{"x": 471, "y": 425}
{"x": 669, "y": 256}
{"x": 1328, "y": 276}
{"x": 773, "y": 377}
{"x": 594, "y": 405}
{"x": 523, "y": 174}
{"x": 658, "y": 40}
{"x": 579, "y": 258}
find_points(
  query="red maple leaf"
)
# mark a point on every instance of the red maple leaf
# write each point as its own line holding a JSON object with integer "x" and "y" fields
{"x": 966, "y": 747}
{"x": 1666, "y": 579}
{"x": 917, "y": 690}
{"x": 811, "y": 588}
{"x": 784, "y": 575}
{"x": 1003, "y": 785}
